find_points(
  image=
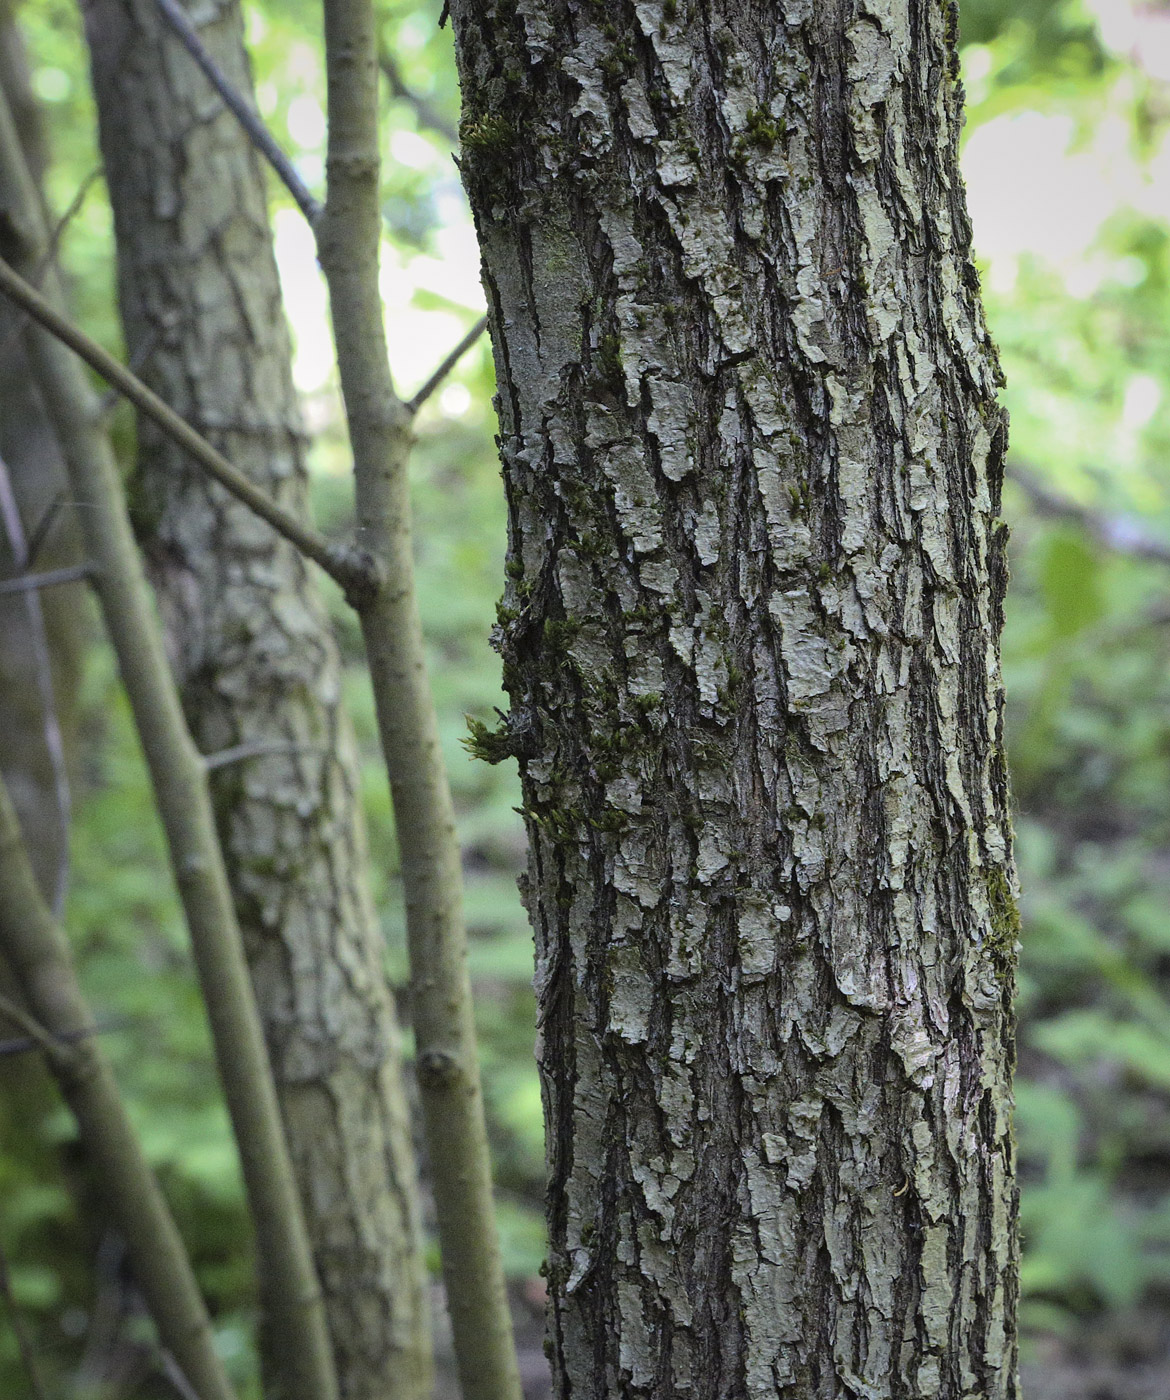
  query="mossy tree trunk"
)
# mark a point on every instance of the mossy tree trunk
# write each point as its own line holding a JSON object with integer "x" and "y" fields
{"x": 750, "y": 633}
{"x": 259, "y": 670}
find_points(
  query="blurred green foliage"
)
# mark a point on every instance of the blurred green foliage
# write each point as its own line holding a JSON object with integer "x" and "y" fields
{"x": 1082, "y": 323}
{"x": 1084, "y": 330}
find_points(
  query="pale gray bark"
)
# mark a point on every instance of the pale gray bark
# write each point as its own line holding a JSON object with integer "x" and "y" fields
{"x": 750, "y": 632}
{"x": 258, "y": 667}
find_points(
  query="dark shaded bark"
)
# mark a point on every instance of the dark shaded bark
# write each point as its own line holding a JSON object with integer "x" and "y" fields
{"x": 259, "y": 670}
{"x": 750, "y": 632}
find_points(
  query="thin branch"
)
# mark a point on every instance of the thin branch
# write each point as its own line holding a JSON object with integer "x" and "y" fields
{"x": 23, "y": 1044}
{"x": 28, "y": 1356}
{"x": 40, "y": 531}
{"x": 440, "y": 989}
{"x": 34, "y": 1031}
{"x": 413, "y": 405}
{"x": 354, "y": 570}
{"x": 241, "y": 109}
{"x": 141, "y": 356}
{"x": 425, "y": 110}
{"x": 49, "y": 257}
{"x": 105, "y": 1312}
{"x": 257, "y": 748}
{"x": 71, "y": 212}
{"x": 38, "y": 636}
{"x": 289, "y": 1286}
{"x": 170, "y": 1368}
{"x": 29, "y": 583}
{"x": 1121, "y": 533}
{"x": 36, "y": 951}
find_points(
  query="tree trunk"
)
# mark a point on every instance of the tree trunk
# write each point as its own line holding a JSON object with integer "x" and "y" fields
{"x": 258, "y": 669}
{"x": 750, "y": 633}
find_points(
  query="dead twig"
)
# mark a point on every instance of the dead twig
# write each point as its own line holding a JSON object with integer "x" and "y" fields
{"x": 52, "y": 247}
{"x": 351, "y": 568}
{"x": 25, "y": 1044}
{"x": 34, "y": 1031}
{"x": 240, "y": 108}
{"x": 257, "y": 748}
{"x": 413, "y": 405}
{"x": 38, "y": 636}
{"x": 31, "y": 583}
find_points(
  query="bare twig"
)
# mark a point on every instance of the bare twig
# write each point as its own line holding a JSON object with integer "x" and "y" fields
{"x": 142, "y": 353}
{"x": 38, "y": 637}
{"x": 23, "y": 1044}
{"x": 33, "y": 1029}
{"x": 170, "y": 1368}
{"x": 241, "y": 109}
{"x": 257, "y": 748}
{"x": 71, "y": 212}
{"x": 427, "y": 113}
{"x": 30, "y": 583}
{"x": 1121, "y": 533}
{"x": 50, "y": 255}
{"x": 353, "y": 569}
{"x": 105, "y": 1313}
{"x": 289, "y": 1288}
{"x": 28, "y": 1357}
{"x": 37, "y": 1038}
{"x": 40, "y": 531}
{"x": 55, "y": 1016}
{"x": 413, "y": 405}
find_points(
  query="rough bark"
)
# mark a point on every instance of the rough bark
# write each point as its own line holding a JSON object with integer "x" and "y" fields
{"x": 750, "y": 633}
{"x": 258, "y": 666}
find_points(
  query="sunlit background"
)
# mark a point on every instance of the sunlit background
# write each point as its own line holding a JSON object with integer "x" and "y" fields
{"x": 1067, "y": 161}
